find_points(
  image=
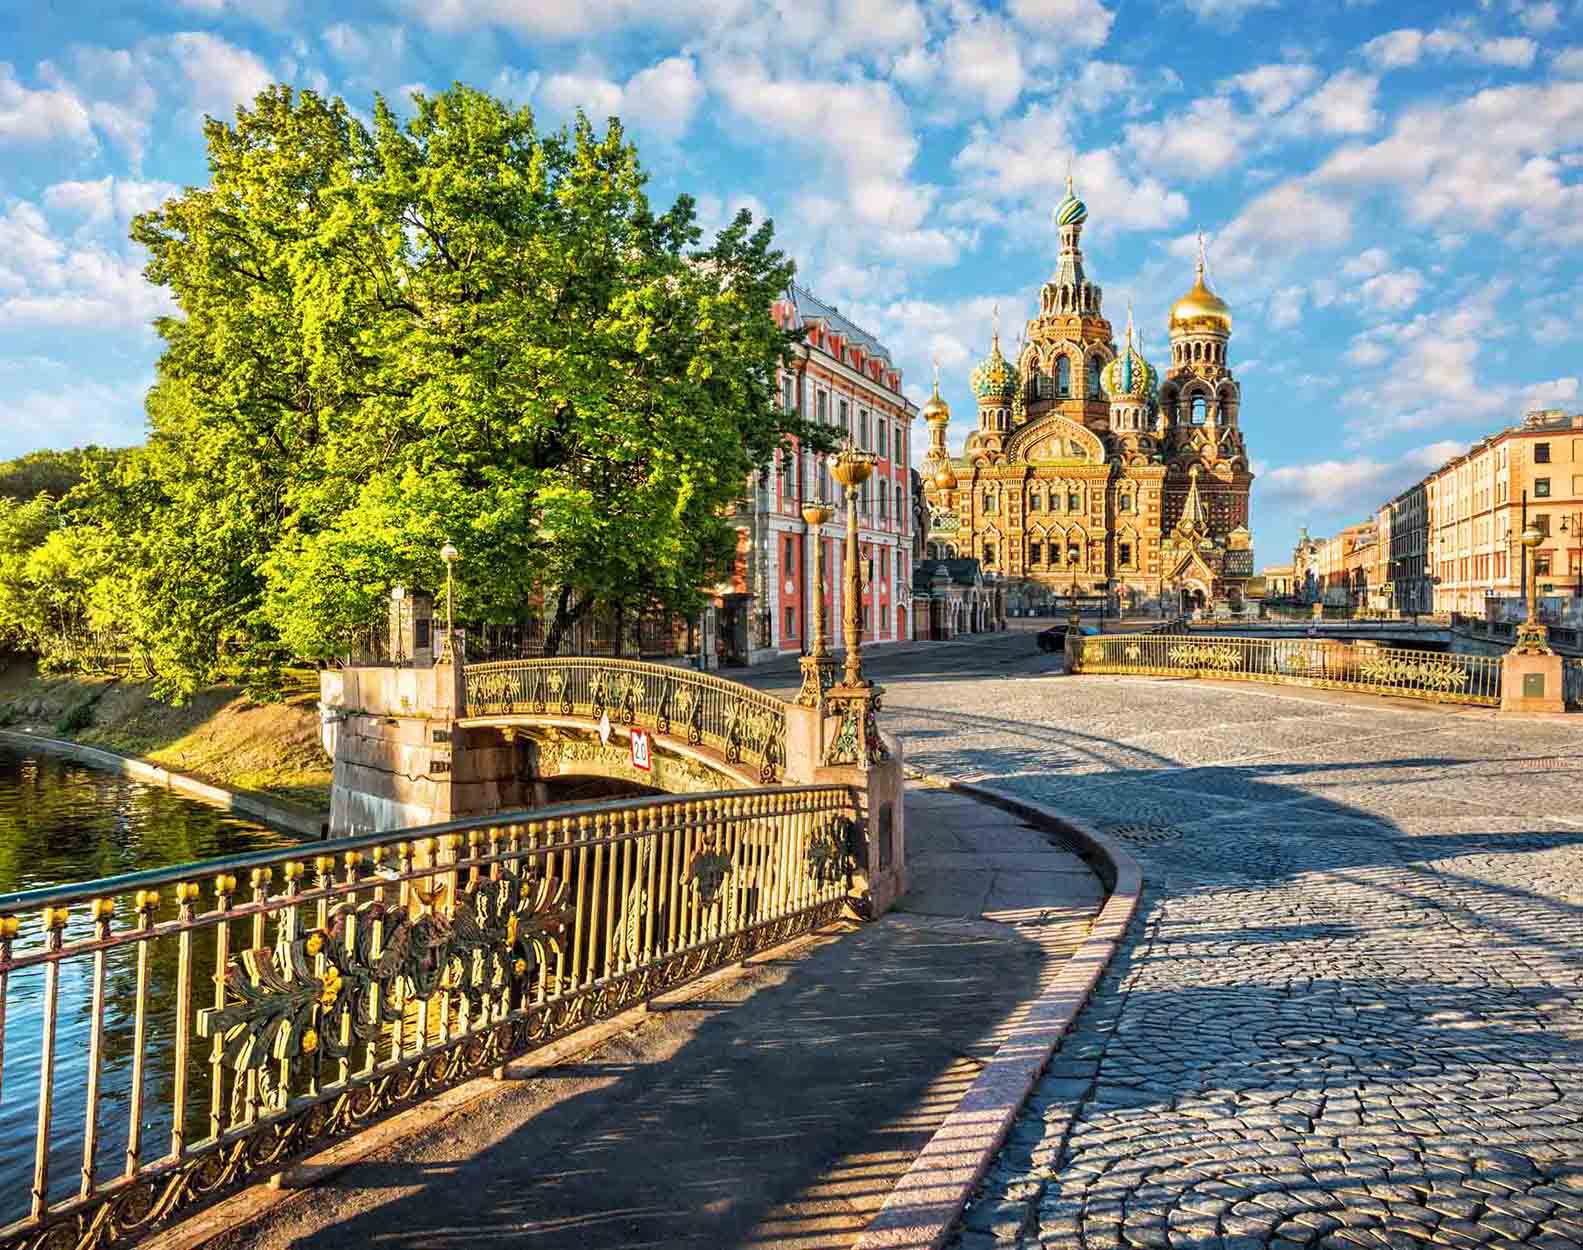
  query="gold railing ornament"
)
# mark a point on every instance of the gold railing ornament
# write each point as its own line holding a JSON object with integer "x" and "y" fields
{"x": 1438, "y": 677}
{"x": 381, "y": 969}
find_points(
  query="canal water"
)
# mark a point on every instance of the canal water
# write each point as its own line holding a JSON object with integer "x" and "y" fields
{"x": 62, "y": 822}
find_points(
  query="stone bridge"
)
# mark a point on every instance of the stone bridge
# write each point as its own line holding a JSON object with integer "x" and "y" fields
{"x": 419, "y": 745}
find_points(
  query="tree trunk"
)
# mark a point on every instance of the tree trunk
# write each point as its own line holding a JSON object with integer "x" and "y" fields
{"x": 620, "y": 613}
{"x": 567, "y": 614}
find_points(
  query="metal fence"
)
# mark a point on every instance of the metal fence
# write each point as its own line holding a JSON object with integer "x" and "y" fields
{"x": 1441, "y": 677}
{"x": 176, "y": 1034}
{"x": 741, "y": 723}
{"x": 1572, "y": 682}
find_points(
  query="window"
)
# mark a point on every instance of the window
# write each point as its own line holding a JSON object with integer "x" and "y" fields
{"x": 1035, "y": 553}
{"x": 991, "y": 502}
{"x": 1541, "y": 453}
{"x": 862, "y": 427}
{"x": 1541, "y": 488}
{"x": 1125, "y": 553}
{"x": 1200, "y": 409}
{"x": 1541, "y": 522}
{"x": 884, "y": 616}
{"x": 884, "y": 437}
{"x": 787, "y": 396}
{"x": 1063, "y": 377}
{"x": 989, "y": 553}
{"x": 824, "y": 407}
{"x": 1036, "y": 502}
{"x": 791, "y": 555}
{"x": 791, "y": 622}
{"x": 1094, "y": 367}
{"x": 901, "y": 455}
{"x": 1074, "y": 501}
{"x": 1542, "y": 563}
{"x": 1125, "y": 503}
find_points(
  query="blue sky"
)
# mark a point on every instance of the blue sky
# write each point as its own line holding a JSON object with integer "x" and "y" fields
{"x": 1392, "y": 191}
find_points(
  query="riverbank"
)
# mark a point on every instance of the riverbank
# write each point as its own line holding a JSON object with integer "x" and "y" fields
{"x": 220, "y": 737}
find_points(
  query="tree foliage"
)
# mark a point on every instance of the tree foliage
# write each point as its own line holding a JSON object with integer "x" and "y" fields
{"x": 449, "y": 327}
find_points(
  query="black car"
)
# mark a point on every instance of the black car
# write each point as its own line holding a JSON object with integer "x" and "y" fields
{"x": 1054, "y": 638}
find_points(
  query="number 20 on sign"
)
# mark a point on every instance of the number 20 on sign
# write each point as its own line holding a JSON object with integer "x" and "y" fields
{"x": 640, "y": 750}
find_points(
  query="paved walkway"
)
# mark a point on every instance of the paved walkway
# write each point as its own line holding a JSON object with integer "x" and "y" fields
{"x": 778, "y": 1112}
{"x": 1349, "y": 1014}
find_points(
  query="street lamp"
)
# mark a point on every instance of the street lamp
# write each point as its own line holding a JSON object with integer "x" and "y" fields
{"x": 1532, "y": 637}
{"x": 852, "y": 468}
{"x": 450, "y": 555}
{"x": 817, "y": 667}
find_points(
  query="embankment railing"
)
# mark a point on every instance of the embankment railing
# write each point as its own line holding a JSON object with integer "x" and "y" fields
{"x": 741, "y": 723}
{"x": 169, "y": 1036}
{"x": 1442, "y": 677}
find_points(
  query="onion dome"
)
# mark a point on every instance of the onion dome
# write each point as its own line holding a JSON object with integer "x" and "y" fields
{"x": 1071, "y": 211}
{"x": 993, "y": 378}
{"x": 935, "y": 410}
{"x": 1129, "y": 375}
{"x": 945, "y": 477}
{"x": 1200, "y": 309}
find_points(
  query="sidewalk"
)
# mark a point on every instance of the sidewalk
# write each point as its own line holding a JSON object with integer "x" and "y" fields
{"x": 777, "y": 1110}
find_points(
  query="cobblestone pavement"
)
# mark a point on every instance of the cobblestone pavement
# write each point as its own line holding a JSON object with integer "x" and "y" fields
{"x": 1348, "y": 1014}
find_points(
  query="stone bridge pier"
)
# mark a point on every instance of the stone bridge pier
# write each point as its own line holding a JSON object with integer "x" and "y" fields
{"x": 425, "y": 745}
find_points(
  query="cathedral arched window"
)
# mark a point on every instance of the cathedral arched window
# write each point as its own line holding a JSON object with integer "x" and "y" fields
{"x": 1036, "y": 502}
{"x": 1063, "y": 377}
{"x": 1042, "y": 388}
{"x": 1200, "y": 409}
{"x": 1074, "y": 501}
{"x": 989, "y": 553}
{"x": 991, "y": 501}
{"x": 1095, "y": 364}
{"x": 1124, "y": 504}
{"x": 1035, "y": 553}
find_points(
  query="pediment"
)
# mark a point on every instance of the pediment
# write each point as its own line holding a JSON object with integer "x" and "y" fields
{"x": 1055, "y": 439}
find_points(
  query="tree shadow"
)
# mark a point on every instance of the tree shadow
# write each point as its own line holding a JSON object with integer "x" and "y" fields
{"x": 781, "y": 1120}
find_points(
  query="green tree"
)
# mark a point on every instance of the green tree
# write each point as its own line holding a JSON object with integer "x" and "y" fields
{"x": 451, "y": 327}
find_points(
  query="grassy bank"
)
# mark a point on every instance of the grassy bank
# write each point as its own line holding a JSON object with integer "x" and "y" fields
{"x": 220, "y": 736}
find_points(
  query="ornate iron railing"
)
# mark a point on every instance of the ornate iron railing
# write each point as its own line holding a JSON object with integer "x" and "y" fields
{"x": 176, "y": 1034}
{"x": 1438, "y": 676}
{"x": 743, "y": 724}
{"x": 1572, "y": 682}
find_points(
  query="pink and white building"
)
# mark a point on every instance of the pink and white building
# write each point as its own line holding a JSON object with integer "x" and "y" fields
{"x": 845, "y": 378}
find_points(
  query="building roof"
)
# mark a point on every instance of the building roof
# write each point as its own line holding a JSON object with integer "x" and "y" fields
{"x": 810, "y": 307}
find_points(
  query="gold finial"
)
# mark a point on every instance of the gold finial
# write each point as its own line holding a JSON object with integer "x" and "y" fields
{"x": 935, "y": 361}
{"x": 1129, "y": 322}
{"x": 995, "y": 324}
{"x": 1200, "y": 255}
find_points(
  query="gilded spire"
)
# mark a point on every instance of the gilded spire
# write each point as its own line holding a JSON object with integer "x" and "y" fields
{"x": 1200, "y": 255}
{"x": 935, "y": 409}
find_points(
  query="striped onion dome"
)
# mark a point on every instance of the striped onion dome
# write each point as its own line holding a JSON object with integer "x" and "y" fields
{"x": 1129, "y": 375}
{"x": 1071, "y": 211}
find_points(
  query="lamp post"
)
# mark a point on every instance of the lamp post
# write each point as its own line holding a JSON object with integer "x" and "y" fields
{"x": 1575, "y": 520}
{"x": 818, "y": 667}
{"x": 449, "y": 554}
{"x": 852, "y": 468}
{"x": 1532, "y": 637}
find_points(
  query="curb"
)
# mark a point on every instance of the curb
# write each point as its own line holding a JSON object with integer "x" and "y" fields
{"x": 282, "y": 815}
{"x": 922, "y": 1211}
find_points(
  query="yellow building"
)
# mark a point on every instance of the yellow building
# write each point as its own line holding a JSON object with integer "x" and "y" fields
{"x": 1090, "y": 469}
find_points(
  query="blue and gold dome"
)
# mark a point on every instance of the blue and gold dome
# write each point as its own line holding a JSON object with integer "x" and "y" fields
{"x": 1071, "y": 211}
{"x": 993, "y": 378}
{"x": 1129, "y": 375}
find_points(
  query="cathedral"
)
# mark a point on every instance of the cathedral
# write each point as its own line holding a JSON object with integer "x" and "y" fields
{"x": 1091, "y": 469}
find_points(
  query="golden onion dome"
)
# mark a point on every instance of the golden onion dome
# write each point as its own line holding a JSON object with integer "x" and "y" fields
{"x": 945, "y": 477}
{"x": 1200, "y": 308}
{"x": 935, "y": 409}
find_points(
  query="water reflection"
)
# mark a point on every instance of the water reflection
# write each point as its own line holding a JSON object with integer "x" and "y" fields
{"x": 61, "y": 822}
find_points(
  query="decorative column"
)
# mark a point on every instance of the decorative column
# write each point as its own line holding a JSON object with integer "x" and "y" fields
{"x": 1532, "y": 675}
{"x": 818, "y": 666}
{"x": 856, "y": 739}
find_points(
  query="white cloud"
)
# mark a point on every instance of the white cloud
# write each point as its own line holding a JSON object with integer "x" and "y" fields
{"x": 1084, "y": 23}
{"x": 1558, "y": 392}
{"x": 1540, "y": 17}
{"x": 1491, "y": 160}
{"x": 46, "y": 115}
{"x": 1393, "y": 292}
{"x": 1401, "y": 48}
{"x": 107, "y": 200}
{"x": 109, "y": 414}
{"x": 1211, "y": 137}
{"x": 1225, "y": 12}
{"x": 45, "y": 282}
{"x": 1351, "y": 487}
{"x": 1343, "y": 106}
{"x": 1285, "y": 309}
{"x": 269, "y": 12}
{"x": 1275, "y": 227}
{"x": 1023, "y": 162}
{"x": 1367, "y": 263}
{"x": 220, "y": 75}
{"x": 1274, "y": 88}
{"x": 1569, "y": 62}
{"x": 983, "y": 61}
{"x": 661, "y": 99}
